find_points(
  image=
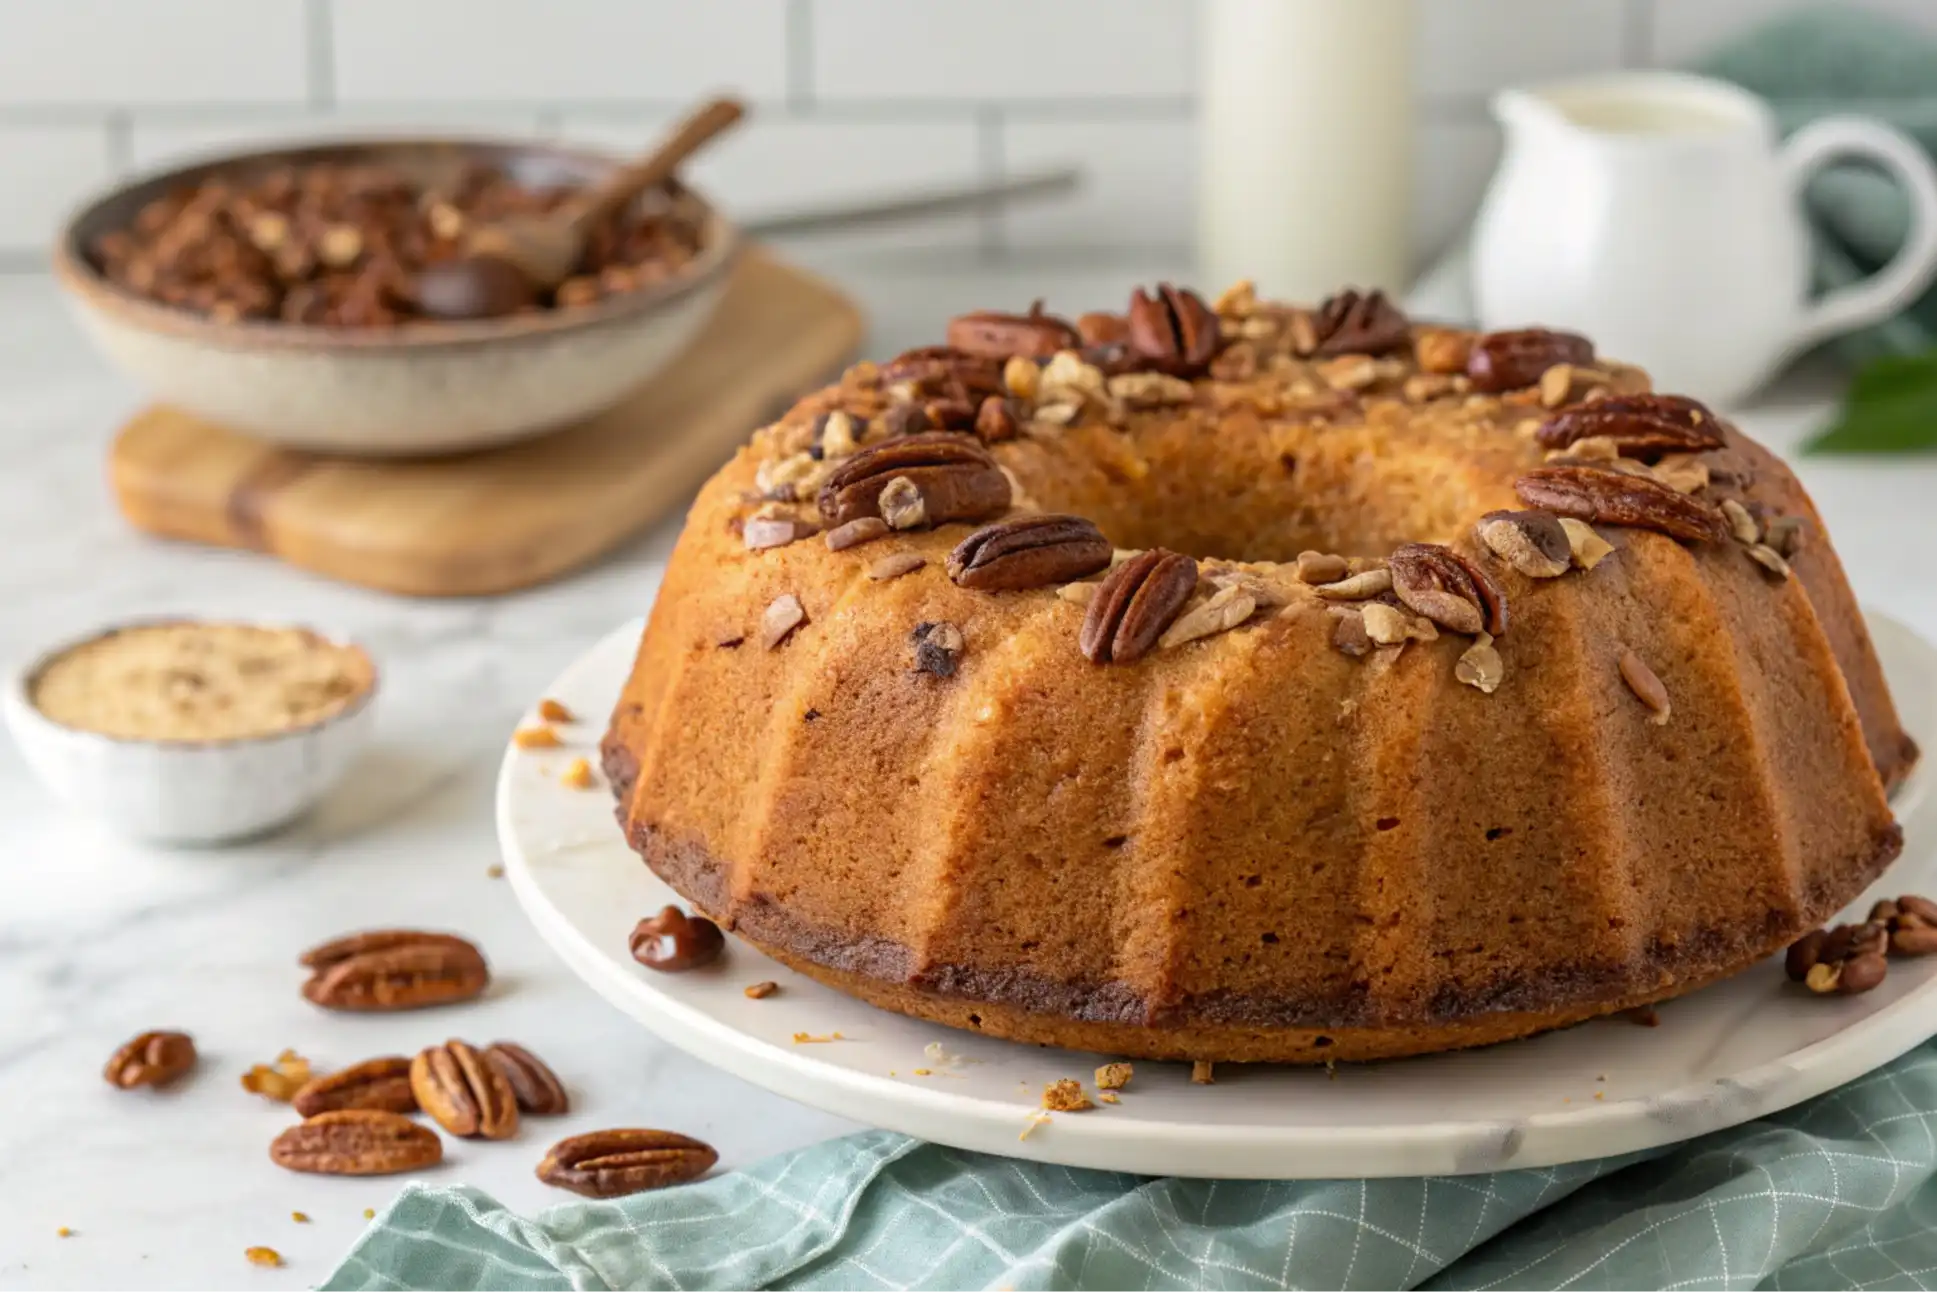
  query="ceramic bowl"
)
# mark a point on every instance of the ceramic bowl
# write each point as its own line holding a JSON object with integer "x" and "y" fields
{"x": 427, "y": 387}
{"x": 185, "y": 791}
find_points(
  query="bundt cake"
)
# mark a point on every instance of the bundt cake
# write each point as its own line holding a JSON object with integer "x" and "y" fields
{"x": 1250, "y": 682}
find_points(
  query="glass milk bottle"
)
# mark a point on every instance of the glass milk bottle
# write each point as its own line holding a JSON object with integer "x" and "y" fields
{"x": 1306, "y": 145}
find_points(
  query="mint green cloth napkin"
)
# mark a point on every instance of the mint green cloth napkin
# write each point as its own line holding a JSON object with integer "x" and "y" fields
{"x": 1821, "y": 62}
{"x": 1835, "y": 1193}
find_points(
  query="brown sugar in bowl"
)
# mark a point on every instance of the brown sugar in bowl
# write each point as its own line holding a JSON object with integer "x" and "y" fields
{"x": 425, "y": 387}
{"x": 184, "y": 731}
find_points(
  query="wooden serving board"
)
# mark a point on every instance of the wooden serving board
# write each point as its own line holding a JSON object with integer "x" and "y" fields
{"x": 506, "y": 518}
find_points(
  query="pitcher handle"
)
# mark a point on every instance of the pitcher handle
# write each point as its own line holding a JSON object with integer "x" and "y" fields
{"x": 1911, "y": 270}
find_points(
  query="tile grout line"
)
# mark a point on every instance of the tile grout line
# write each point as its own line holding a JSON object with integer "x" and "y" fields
{"x": 319, "y": 47}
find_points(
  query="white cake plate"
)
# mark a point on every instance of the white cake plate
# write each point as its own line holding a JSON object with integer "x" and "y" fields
{"x": 1730, "y": 1052}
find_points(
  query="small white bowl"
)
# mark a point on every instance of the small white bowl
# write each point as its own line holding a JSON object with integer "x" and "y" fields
{"x": 185, "y": 791}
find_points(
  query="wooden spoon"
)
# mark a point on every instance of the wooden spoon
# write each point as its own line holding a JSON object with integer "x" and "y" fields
{"x": 509, "y": 263}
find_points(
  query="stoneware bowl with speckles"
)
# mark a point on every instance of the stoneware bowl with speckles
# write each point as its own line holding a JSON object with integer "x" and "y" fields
{"x": 427, "y": 387}
{"x": 185, "y": 792}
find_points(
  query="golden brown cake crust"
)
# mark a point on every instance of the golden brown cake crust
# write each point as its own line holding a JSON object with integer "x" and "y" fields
{"x": 1375, "y": 770}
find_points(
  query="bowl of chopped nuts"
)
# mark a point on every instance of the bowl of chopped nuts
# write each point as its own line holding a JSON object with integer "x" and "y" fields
{"x": 273, "y": 292}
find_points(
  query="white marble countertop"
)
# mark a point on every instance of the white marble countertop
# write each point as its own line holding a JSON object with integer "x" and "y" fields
{"x": 101, "y": 938}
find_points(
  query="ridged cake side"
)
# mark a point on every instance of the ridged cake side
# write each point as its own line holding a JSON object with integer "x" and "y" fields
{"x": 1254, "y": 846}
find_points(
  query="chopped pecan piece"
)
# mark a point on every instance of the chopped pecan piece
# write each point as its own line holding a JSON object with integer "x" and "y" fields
{"x": 1103, "y": 329}
{"x": 997, "y": 420}
{"x": 995, "y": 335}
{"x": 1617, "y": 498}
{"x": 1349, "y": 323}
{"x": 938, "y": 647}
{"x": 1135, "y": 604}
{"x": 1510, "y": 360}
{"x": 1480, "y": 666}
{"x": 1532, "y": 542}
{"x": 1448, "y": 589}
{"x": 1646, "y": 686}
{"x": 1173, "y": 331}
{"x": 1638, "y": 425}
{"x": 778, "y": 621}
{"x": 1029, "y": 552}
{"x": 673, "y": 941}
{"x": 954, "y": 475}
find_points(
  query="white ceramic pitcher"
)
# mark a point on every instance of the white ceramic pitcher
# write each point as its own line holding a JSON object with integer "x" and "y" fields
{"x": 1660, "y": 215}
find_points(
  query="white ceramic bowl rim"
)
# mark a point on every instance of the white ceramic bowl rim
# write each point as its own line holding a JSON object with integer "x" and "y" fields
{"x": 719, "y": 247}
{"x": 21, "y": 686}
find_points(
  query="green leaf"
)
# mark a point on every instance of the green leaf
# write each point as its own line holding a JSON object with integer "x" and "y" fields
{"x": 1891, "y": 408}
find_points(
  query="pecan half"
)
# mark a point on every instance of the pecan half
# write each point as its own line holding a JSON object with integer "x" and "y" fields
{"x": 1509, "y": 360}
{"x": 537, "y": 1087}
{"x": 954, "y": 474}
{"x": 673, "y": 941}
{"x": 1532, "y": 542}
{"x": 1103, "y": 329}
{"x": 1134, "y": 605}
{"x": 1173, "y": 331}
{"x": 466, "y": 1093}
{"x": 1029, "y": 552}
{"x": 945, "y": 370}
{"x": 151, "y": 1059}
{"x": 1616, "y": 498}
{"x": 1448, "y": 589}
{"x": 393, "y": 969}
{"x": 614, "y": 1163}
{"x": 1637, "y": 424}
{"x": 357, "y": 1141}
{"x": 995, "y": 335}
{"x": 1349, "y": 323}
{"x": 382, "y": 1084}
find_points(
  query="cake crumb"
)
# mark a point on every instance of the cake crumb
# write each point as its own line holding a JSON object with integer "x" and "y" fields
{"x": 1065, "y": 1096}
{"x": 923, "y": 1072}
{"x": 300, "y": 1217}
{"x": 494, "y": 871}
{"x": 1035, "y": 1119}
{"x": 1200, "y": 1073}
{"x": 552, "y": 711}
{"x": 63, "y": 1232}
{"x": 535, "y": 738}
{"x": 578, "y": 775}
{"x": 1114, "y": 1076}
{"x": 761, "y": 990}
{"x": 268, "y": 1256}
{"x": 808, "y": 1038}
{"x": 1108, "y": 1097}
{"x": 1600, "y": 1094}
{"x": 369, "y": 1213}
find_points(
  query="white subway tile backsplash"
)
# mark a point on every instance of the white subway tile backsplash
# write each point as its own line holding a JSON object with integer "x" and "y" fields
{"x": 1475, "y": 46}
{"x": 566, "y": 51}
{"x": 1003, "y": 49}
{"x": 45, "y": 171}
{"x": 775, "y": 165}
{"x": 1685, "y": 30}
{"x": 158, "y": 143}
{"x": 1139, "y": 184}
{"x": 113, "y": 53}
